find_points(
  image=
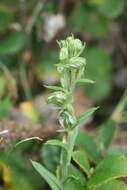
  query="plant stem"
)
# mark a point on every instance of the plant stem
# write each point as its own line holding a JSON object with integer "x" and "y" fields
{"x": 69, "y": 139}
{"x": 66, "y": 155}
{"x": 70, "y": 50}
{"x": 63, "y": 161}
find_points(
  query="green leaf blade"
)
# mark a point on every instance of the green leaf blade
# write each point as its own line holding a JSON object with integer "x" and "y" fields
{"x": 82, "y": 81}
{"x": 113, "y": 185}
{"x": 107, "y": 133}
{"x": 55, "y": 88}
{"x": 13, "y": 44}
{"x": 85, "y": 115}
{"x": 110, "y": 168}
{"x": 76, "y": 179}
{"x": 49, "y": 177}
{"x": 111, "y": 8}
{"x": 99, "y": 69}
{"x": 81, "y": 159}
{"x": 57, "y": 143}
{"x": 86, "y": 142}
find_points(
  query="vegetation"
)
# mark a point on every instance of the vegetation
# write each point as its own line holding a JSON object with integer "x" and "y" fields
{"x": 71, "y": 69}
{"x": 29, "y": 128}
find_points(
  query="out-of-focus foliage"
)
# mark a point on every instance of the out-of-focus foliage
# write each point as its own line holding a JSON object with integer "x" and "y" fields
{"x": 89, "y": 20}
{"x": 99, "y": 69}
{"x": 28, "y": 32}
{"x": 5, "y": 17}
{"x": 13, "y": 44}
{"x": 28, "y": 49}
{"x": 17, "y": 173}
{"x": 50, "y": 156}
{"x": 110, "y": 9}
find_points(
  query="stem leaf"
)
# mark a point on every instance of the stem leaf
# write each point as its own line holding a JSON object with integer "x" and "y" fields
{"x": 82, "y": 81}
{"x": 55, "y": 88}
{"x": 49, "y": 177}
{"x": 57, "y": 143}
{"x": 85, "y": 115}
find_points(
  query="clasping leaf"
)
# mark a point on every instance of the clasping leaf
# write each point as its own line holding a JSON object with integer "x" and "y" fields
{"x": 82, "y": 81}
{"x": 57, "y": 143}
{"x": 55, "y": 88}
{"x": 85, "y": 115}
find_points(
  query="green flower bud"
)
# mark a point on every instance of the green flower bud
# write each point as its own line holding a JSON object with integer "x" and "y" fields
{"x": 77, "y": 62}
{"x": 67, "y": 120}
{"x": 57, "y": 98}
{"x": 63, "y": 53}
{"x": 70, "y": 48}
{"x": 76, "y": 47}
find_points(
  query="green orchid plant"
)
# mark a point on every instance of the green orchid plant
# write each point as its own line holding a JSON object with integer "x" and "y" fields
{"x": 71, "y": 69}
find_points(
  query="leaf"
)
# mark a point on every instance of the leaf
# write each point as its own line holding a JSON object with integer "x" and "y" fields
{"x": 76, "y": 19}
{"x": 89, "y": 20}
{"x": 113, "y": 185}
{"x": 106, "y": 133}
{"x": 49, "y": 177}
{"x": 17, "y": 174}
{"x": 111, "y": 8}
{"x": 15, "y": 180}
{"x": 2, "y": 85}
{"x": 117, "y": 150}
{"x": 85, "y": 81}
{"x": 28, "y": 139}
{"x": 66, "y": 119}
{"x": 76, "y": 180}
{"x": 6, "y": 17}
{"x": 5, "y": 107}
{"x": 81, "y": 159}
{"x": 110, "y": 168}
{"x": 13, "y": 43}
{"x": 86, "y": 142}
{"x": 84, "y": 116}
{"x": 50, "y": 156}
{"x": 55, "y": 88}
{"x": 76, "y": 62}
{"x": 99, "y": 69}
{"x": 57, "y": 143}
{"x": 95, "y": 24}
{"x": 57, "y": 98}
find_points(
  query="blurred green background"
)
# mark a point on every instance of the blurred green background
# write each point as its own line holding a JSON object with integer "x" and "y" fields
{"x": 28, "y": 51}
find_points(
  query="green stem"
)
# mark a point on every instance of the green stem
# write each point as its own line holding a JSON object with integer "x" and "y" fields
{"x": 66, "y": 155}
{"x": 68, "y": 83}
{"x": 63, "y": 162}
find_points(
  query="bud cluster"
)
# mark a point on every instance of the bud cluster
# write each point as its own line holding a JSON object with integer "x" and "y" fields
{"x": 71, "y": 68}
{"x": 70, "y": 48}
